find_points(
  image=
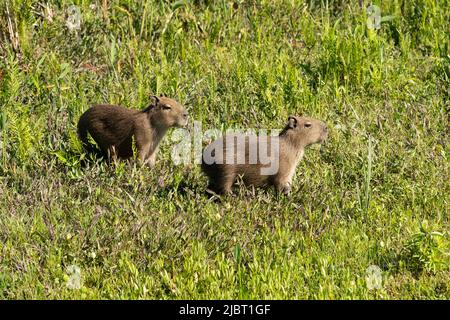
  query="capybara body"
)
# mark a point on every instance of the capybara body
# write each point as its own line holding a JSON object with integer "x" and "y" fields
{"x": 224, "y": 160}
{"x": 114, "y": 127}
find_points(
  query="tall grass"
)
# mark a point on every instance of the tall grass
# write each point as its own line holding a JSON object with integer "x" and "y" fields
{"x": 375, "y": 194}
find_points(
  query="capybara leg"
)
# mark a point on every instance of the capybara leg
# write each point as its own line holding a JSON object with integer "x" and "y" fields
{"x": 282, "y": 187}
{"x": 125, "y": 149}
{"x": 226, "y": 184}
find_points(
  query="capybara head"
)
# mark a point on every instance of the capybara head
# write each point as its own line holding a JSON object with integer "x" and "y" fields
{"x": 168, "y": 112}
{"x": 306, "y": 130}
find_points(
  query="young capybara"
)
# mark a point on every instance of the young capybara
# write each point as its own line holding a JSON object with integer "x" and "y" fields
{"x": 114, "y": 127}
{"x": 261, "y": 160}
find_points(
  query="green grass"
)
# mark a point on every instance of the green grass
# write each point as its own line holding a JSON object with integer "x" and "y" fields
{"x": 377, "y": 193}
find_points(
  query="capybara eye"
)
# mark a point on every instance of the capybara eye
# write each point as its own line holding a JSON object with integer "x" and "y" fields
{"x": 166, "y": 107}
{"x": 308, "y": 125}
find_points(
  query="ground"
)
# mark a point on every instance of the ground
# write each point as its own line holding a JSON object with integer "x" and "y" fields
{"x": 368, "y": 215}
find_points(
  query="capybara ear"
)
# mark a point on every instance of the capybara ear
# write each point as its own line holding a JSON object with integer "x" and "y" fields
{"x": 292, "y": 122}
{"x": 155, "y": 100}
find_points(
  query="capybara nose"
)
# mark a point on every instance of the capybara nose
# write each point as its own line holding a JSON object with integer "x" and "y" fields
{"x": 185, "y": 115}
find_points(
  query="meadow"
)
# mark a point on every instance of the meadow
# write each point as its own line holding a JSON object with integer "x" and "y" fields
{"x": 373, "y": 201}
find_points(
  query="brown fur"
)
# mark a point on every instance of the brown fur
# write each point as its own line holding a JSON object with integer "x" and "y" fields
{"x": 113, "y": 128}
{"x": 299, "y": 133}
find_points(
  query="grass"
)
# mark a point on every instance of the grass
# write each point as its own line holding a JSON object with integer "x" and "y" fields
{"x": 377, "y": 193}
